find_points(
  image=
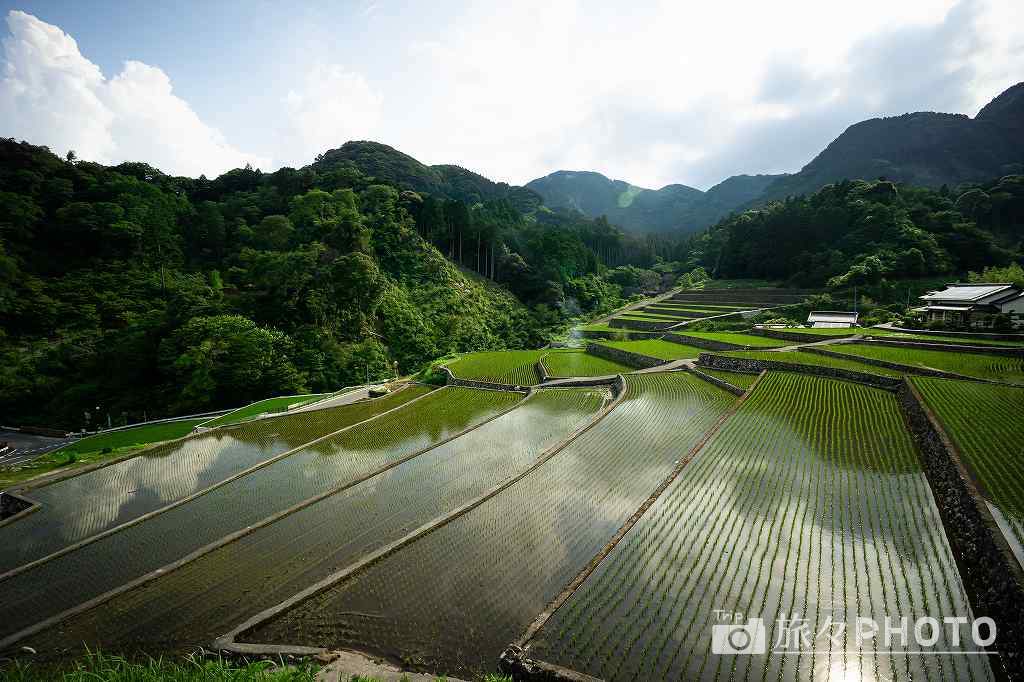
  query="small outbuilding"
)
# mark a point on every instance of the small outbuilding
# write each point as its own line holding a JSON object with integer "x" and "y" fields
{"x": 832, "y": 319}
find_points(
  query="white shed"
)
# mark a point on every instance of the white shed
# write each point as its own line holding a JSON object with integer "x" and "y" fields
{"x": 832, "y": 318}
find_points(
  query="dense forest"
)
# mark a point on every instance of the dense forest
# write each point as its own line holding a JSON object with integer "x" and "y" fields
{"x": 143, "y": 294}
{"x": 867, "y": 233}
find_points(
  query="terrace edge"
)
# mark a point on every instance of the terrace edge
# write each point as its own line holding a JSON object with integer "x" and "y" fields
{"x": 992, "y": 576}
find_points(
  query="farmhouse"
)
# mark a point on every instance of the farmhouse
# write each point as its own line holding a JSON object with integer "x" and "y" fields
{"x": 974, "y": 305}
{"x": 831, "y": 318}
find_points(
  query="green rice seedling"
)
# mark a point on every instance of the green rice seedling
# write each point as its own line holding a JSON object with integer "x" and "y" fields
{"x": 809, "y": 496}
{"x": 979, "y": 365}
{"x": 515, "y": 367}
{"x": 656, "y": 348}
{"x": 984, "y": 421}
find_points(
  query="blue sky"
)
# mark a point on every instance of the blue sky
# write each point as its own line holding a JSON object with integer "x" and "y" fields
{"x": 653, "y": 93}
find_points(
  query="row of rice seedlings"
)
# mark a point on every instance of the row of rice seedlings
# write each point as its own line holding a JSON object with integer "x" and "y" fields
{"x": 95, "y": 501}
{"x": 656, "y": 348}
{"x": 515, "y": 367}
{"x": 980, "y": 365}
{"x": 788, "y": 509}
{"x": 984, "y": 421}
{"x": 114, "y": 559}
{"x": 516, "y": 551}
{"x": 581, "y": 364}
{"x": 804, "y": 358}
{"x": 964, "y": 340}
{"x": 207, "y": 597}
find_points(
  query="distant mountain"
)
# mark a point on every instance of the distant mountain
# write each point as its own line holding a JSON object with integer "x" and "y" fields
{"x": 923, "y": 148}
{"x": 449, "y": 181}
{"x": 672, "y": 208}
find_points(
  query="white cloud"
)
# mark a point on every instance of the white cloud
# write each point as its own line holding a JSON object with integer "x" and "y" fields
{"x": 51, "y": 94}
{"x": 331, "y": 106}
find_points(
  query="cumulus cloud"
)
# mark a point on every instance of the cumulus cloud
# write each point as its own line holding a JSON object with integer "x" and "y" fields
{"x": 331, "y": 105}
{"x": 53, "y": 95}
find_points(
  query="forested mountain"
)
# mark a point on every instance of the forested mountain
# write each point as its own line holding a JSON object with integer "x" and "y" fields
{"x": 924, "y": 148}
{"x": 674, "y": 208}
{"x": 140, "y": 292}
{"x": 387, "y": 164}
{"x": 860, "y": 232}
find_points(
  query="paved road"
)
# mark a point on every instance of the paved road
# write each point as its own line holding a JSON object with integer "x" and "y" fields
{"x": 25, "y": 447}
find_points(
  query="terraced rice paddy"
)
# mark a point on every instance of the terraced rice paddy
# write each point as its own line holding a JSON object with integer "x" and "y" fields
{"x": 931, "y": 338}
{"x": 809, "y": 500}
{"x": 268, "y": 406}
{"x": 95, "y": 501}
{"x": 332, "y": 464}
{"x": 813, "y": 332}
{"x": 208, "y": 596}
{"x": 738, "y": 339}
{"x": 515, "y": 367}
{"x": 978, "y": 365}
{"x": 984, "y": 421}
{"x": 453, "y": 599}
{"x": 656, "y": 348}
{"x": 137, "y": 436}
{"x": 804, "y": 358}
{"x": 738, "y": 379}
{"x": 581, "y": 364}
{"x": 605, "y": 328}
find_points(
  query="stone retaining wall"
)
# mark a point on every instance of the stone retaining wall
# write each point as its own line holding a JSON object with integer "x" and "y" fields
{"x": 623, "y": 333}
{"x": 952, "y": 347}
{"x": 624, "y": 356}
{"x": 750, "y": 365}
{"x": 909, "y": 369}
{"x": 795, "y": 335}
{"x": 542, "y": 371}
{"x": 721, "y": 383}
{"x": 642, "y": 325}
{"x": 992, "y": 576}
{"x": 702, "y": 343}
{"x": 11, "y": 505}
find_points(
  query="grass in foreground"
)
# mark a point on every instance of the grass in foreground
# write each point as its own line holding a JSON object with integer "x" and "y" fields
{"x": 94, "y": 448}
{"x": 279, "y": 404}
{"x": 656, "y": 348}
{"x": 978, "y": 365}
{"x": 99, "y": 667}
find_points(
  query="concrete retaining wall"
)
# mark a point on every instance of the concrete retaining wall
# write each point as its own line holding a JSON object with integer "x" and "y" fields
{"x": 624, "y": 356}
{"x": 992, "y": 576}
{"x": 750, "y": 365}
{"x": 952, "y": 347}
{"x": 542, "y": 371}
